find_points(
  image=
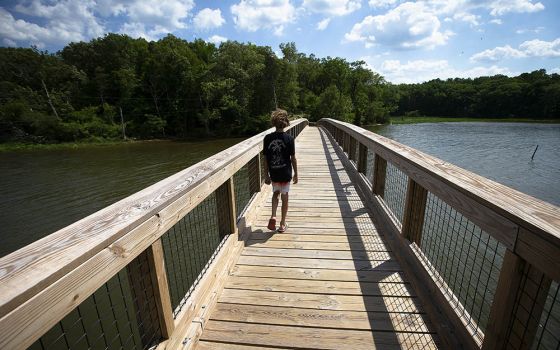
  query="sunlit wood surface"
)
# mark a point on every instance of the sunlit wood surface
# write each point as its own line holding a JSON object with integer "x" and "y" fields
{"x": 329, "y": 282}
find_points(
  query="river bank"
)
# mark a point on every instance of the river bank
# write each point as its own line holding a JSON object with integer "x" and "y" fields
{"x": 418, "y": 120}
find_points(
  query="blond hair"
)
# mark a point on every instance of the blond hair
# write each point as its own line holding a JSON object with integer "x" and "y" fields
{"x": 279, "y": 118}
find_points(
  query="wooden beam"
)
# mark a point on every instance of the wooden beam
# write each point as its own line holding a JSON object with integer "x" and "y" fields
{"x": 144, "y": 296}
{"x": 352, "y": 148}
{"x": 362, "y": 158}
{"x": 156, "y": 260}
{"x": 414, "y": 210}
{"x": 495, "y": 336}
{"x": 379, "y": 175}
{"x": 227, "y": 215}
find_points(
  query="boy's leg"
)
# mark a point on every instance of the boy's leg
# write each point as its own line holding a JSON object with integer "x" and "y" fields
{"x": 274, "y": 203}
{"x": 284, "y": 209}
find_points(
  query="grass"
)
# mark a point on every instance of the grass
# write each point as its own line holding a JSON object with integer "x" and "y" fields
{"x": 415, "y": 120}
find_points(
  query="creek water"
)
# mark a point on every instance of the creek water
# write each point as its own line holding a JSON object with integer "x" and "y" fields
{"x": 42, "y": 191}
{"x": 499, "y": 151}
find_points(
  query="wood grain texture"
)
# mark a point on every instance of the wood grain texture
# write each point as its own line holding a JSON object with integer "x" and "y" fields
{"x": 311, "y": 338}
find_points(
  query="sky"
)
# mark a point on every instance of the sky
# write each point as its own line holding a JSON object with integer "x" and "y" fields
{"x": 405, "y": 41}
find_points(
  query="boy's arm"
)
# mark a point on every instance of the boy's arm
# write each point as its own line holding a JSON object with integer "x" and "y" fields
{"x": 294, "y": 165}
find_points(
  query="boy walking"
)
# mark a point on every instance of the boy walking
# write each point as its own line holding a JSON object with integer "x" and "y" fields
{"x": 279, "y": 150}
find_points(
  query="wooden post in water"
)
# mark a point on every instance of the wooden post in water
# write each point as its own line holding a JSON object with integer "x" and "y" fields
{"x": 415, "y": 207}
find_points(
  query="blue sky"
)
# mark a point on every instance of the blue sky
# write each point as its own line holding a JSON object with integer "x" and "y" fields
{"x": 405, "y": 41}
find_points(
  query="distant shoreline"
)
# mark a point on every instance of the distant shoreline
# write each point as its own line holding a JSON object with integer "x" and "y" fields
{"x": 417, "y": 120}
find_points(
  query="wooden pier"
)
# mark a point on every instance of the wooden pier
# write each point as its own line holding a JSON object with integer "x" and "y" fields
{"x": 387, "y": 248}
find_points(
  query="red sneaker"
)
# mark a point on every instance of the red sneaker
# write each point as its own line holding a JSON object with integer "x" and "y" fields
{"x": 272, "y": 224}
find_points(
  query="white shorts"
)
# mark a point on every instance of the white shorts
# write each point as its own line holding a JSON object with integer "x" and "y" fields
{"x": 282, "y": 187}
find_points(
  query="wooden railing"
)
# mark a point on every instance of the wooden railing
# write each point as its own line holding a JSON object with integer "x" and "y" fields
{"x": 449, "y": 226}
{"x": 42, "y": 283}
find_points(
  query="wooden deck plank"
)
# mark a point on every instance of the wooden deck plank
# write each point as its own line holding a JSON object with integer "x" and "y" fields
{"x": 318, "y": 274}
{"x": 377, "y": 247}
{"x": 333, "y": 264}
{"x": 400, "y": 322}
{"x": 317, "y": 254}
{"x": 321, "y": 301}
{"x": 305, "y": 237}
{"x": 313, "y": 338}
{"x": 320, "y": 287}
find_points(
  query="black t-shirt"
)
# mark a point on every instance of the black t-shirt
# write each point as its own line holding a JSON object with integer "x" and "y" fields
{"x": 278, "y": 147}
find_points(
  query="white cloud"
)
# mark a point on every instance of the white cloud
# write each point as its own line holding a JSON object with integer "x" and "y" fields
{"x": 467, "y": 17}
{"x": 216, "y": 39}
{"x": 540, "y": 48}
{"x": 410, "y": 25}
{"x": 332, "y": 7}
{"x": 496, "y": 21}
{"x": 532, "y": 48}
{"x": 252, "y": 15}
{"x": 63, "y": 22}
{"x": 382, "y": 3}
{"x": 555, "y": 70}
{"x": 152, "y": 18}
{"x": 418, "y": 71}
{"x": 208, "y": 19}
{"x": 322, "y": 25}
{"x": 9, "y": 43}
{"x": 523, "y": 31}
{"x": 497, "y": 54}
{"x": 501, "y": 7}
{"x": 68, "y": 20}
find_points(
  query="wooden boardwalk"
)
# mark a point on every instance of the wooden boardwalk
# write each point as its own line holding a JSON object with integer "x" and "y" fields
{"x": 329, "y": 282}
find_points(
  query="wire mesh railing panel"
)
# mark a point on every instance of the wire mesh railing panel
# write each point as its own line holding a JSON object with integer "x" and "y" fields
{"x": 395, "y": 190}
{"x": 535, "y": 316}
{"x": 264, "y": 170}
{"x": 242, "y": 186}
{"x": 548, "y": 330}
{"x": 189, "y": 247}
{"x": 370, "y": 164}
{"x": 108, "y": 319}
{"x": 465, "y": 261}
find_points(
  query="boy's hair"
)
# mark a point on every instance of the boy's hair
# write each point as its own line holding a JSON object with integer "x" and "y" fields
{"x": 279, "y": 118}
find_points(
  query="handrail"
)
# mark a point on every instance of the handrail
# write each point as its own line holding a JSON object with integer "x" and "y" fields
{"x": 53, "y": 275}
{"x": 512, "y": 217}
{"x": 526, "y": 228}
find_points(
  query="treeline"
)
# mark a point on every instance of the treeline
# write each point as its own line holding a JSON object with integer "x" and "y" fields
{"x": 116, "y": 85}
{"x": 534, "y": 95}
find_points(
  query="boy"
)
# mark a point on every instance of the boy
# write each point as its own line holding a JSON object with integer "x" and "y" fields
{"x": 279, "y": 150}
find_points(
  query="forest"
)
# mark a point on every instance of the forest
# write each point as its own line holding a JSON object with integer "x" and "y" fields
{"x": 118, "y": 87}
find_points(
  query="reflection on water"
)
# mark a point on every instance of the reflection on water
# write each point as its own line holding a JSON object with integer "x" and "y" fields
{"x": 499, "y": 151}
{"x": 45, "y": 190}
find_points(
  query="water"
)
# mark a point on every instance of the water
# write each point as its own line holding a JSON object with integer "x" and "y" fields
{"x": 499, "y": 151}
{"x": 42, "y": 191}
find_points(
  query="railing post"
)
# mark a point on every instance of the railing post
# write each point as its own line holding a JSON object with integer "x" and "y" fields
{"x": 501, "y": 313}
{"x": 254, "y": 168}
{"x": 362, "y": 158}
{"x": 145, "y": 293}
{"x": 379, "y": 174}
{"x": 227, "y": 217}
{"x": 414, "y": 209}
{"x": 156, "y": 261}
{"x": 352, "y": 148}
{"x": 345, "y": 142}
